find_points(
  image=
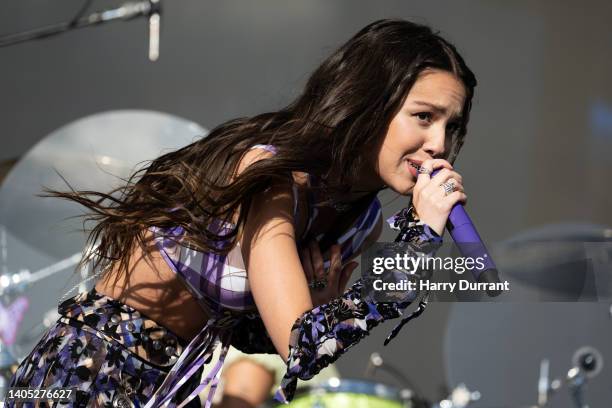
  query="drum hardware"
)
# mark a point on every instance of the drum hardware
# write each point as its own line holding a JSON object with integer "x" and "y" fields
{"x": 577, "y": 383}
{"x": 460, "y": 397}
{"x": 376, "y": 361}
{"x": 18, "y": 281}
{"x": 127, "y": 11}
{"x": 546, "y": 387}
{"x": 587, "y": 364}
{"x": 555, "y": 262}
{"x": 8, "y": 366}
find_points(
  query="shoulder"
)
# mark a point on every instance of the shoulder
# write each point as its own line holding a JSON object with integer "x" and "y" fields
{"x": 261, "y": 152}
{"x": 276, "y": 198}
{"x": 273, "y": 204}
{"x": 251, "y": 156}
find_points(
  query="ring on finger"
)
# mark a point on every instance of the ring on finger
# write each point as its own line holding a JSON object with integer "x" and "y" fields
{"x": 449, "y": 187}
{"x": 317, "y": 284}
{"x": 425, "y": 170}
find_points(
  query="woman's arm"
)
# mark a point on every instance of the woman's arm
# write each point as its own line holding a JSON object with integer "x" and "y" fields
{"x": 321, "y": 335}
{"x": 270, "y": 255}
{"x": 307, "y": 338}
{"x": 268, "y": 245}
{"x": 276, "y": 276}
{"x": 251, "y": 336}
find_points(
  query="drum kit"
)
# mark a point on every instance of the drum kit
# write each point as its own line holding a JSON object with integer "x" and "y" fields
{"x": 587, "y": 362}
{"x": 40, "y": 244}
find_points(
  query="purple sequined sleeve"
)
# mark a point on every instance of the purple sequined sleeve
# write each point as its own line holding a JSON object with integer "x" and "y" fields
{"x": 320, "y": 336}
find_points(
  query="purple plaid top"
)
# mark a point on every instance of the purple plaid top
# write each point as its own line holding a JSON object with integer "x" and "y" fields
{"x": 221, "y": 285}
{"x": 220, "y": 282}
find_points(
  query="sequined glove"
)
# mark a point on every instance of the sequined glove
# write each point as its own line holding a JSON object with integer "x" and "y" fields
{"x": 321, "y": 335}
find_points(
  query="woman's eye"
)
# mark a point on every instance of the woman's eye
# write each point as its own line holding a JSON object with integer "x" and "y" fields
{"x": 424, "y": 116}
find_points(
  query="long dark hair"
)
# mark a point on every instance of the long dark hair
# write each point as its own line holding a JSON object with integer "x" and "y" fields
{"x": 329, "y": 131}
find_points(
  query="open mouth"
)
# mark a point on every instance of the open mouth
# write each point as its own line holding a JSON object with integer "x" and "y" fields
{"x": 413, "y": 168}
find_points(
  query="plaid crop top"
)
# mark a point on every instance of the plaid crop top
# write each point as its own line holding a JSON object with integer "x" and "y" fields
{"x": 220, "y": 282}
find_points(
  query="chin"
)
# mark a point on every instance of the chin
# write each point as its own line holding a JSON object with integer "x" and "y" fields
{"x": 402, "y": 188}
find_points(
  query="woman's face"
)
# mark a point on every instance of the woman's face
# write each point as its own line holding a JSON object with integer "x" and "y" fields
{"x": 422, "y": 129}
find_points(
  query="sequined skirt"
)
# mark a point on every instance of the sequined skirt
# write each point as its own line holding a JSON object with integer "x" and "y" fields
{"x": 113, "y": 356}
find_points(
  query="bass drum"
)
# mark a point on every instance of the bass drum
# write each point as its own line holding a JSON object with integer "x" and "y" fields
{"x": 347, "y": 393}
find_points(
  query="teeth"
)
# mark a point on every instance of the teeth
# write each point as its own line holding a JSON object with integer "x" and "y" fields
{"x": 416, "y": 166}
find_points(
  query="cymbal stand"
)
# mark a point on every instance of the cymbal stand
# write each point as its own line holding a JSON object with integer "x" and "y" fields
{"x": 150, "y": 9}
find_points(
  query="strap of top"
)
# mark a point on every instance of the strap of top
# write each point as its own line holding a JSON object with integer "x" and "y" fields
{"x": 272, "y": 149}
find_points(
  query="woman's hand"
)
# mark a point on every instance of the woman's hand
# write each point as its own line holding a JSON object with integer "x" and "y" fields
{"x": 325, "y": 285}
{"x": 431, "y": 203}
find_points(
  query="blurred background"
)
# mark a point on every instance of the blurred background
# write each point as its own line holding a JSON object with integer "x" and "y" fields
{"x": 536, "y": 159}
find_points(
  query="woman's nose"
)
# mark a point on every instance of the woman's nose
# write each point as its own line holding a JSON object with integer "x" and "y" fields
{"x": 435, "y": 144}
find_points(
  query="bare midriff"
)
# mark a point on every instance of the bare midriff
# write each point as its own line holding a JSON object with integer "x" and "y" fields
{"x": 156, "y": 291}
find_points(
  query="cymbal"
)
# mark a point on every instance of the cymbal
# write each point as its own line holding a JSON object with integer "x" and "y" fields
{"x": 91, "y": 153}
{"x": 556, "y": 262}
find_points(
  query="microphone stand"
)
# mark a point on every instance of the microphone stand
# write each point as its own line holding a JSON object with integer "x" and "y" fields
{"x": 127, "y": 11}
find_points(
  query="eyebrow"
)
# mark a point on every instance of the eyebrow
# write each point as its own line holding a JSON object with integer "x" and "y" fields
{"x": 438, "y": 108}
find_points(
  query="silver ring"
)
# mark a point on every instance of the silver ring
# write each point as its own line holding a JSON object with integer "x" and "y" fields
{"x": 424, "y": 170}
{"x": 448, "y": 186}
{"x": 317, "y": 284}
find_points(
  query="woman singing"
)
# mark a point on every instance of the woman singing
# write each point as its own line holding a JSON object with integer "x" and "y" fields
{"x": 246, "y": 237}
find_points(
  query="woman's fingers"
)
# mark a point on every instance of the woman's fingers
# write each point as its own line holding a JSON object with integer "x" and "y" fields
{"x": 335, "y": 277}
{"x": 428, "y": 166}
{"x": 346, "y": 275}
{"x": 457, "y": 196}
{"x": 457, "y": 184}
{"x": 428, "y": 184}
{"x": 335, "y": 267}
{"x": 434, "y": 197}
{"x": 444, "y": 175}
{"x": 307, "y": 264}
{"x": 313, "y": 264}
{"x": 317, "y": 261}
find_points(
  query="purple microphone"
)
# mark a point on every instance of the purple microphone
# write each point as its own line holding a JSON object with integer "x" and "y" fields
{"x": 469, "y": 243}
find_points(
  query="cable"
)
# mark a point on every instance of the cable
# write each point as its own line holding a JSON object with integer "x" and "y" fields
{"x": 80, "y": 13}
